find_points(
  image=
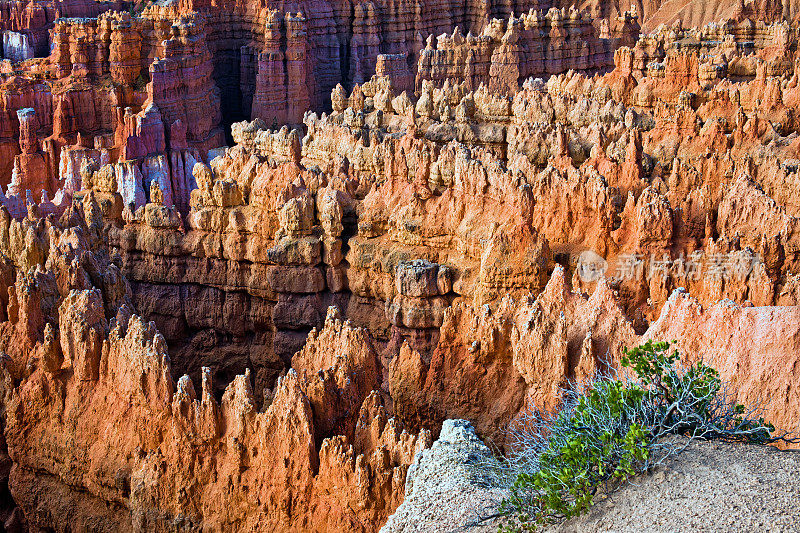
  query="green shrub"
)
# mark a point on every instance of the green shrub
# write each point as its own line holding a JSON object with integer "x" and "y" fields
{"x": 141, "y": 81}
{"x": 612, "y": 428}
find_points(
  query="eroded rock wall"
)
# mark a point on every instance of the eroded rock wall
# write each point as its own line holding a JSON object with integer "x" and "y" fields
{"x": 161, "y": 78}
{"x": 206, "y": 336}
{"x": 90, "y": 403}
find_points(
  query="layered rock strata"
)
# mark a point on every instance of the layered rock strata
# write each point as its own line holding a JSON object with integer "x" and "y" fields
{"x": 109, "y": 99}
{"x": 114, "y": 80}
{"x": 508, "y": 52}
{"x": 316, "y": 450}
{"x": 172, "y": 358}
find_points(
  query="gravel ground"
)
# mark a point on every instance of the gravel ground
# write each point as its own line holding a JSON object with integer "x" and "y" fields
{"x": 709, "y": 487}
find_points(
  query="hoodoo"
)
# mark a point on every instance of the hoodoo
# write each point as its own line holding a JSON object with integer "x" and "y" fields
{"x": 360, "y": 264}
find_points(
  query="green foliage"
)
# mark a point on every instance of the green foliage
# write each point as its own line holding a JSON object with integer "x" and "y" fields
{"x": 582, "y": 455}
{"x": 655, "y": 367}
{"x": 141, "y": 81}
{"x": 616, "y": 428}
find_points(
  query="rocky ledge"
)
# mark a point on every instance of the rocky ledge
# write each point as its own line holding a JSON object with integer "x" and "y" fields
{"x": 713, "y": 487}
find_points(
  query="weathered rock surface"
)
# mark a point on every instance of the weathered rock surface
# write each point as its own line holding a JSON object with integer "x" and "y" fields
{"x": 96, "y": 408}
{"x": 442, "y": 493}
{"x": 162, "y": 79}
{"x": 495, "y": 197}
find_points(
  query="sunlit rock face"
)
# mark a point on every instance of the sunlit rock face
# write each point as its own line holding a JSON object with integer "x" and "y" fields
{"x": 252, "y": 257}
{"x": 16, "y": 46}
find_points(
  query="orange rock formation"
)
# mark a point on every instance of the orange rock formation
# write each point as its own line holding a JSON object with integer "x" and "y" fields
{"x": 252, "y": 256}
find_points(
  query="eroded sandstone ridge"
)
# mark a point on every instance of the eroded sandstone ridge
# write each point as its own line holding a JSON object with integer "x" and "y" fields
{"x": 252, "y": 256}
{"x": 98, "y": 408}
{"x": 154, "y": 87}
